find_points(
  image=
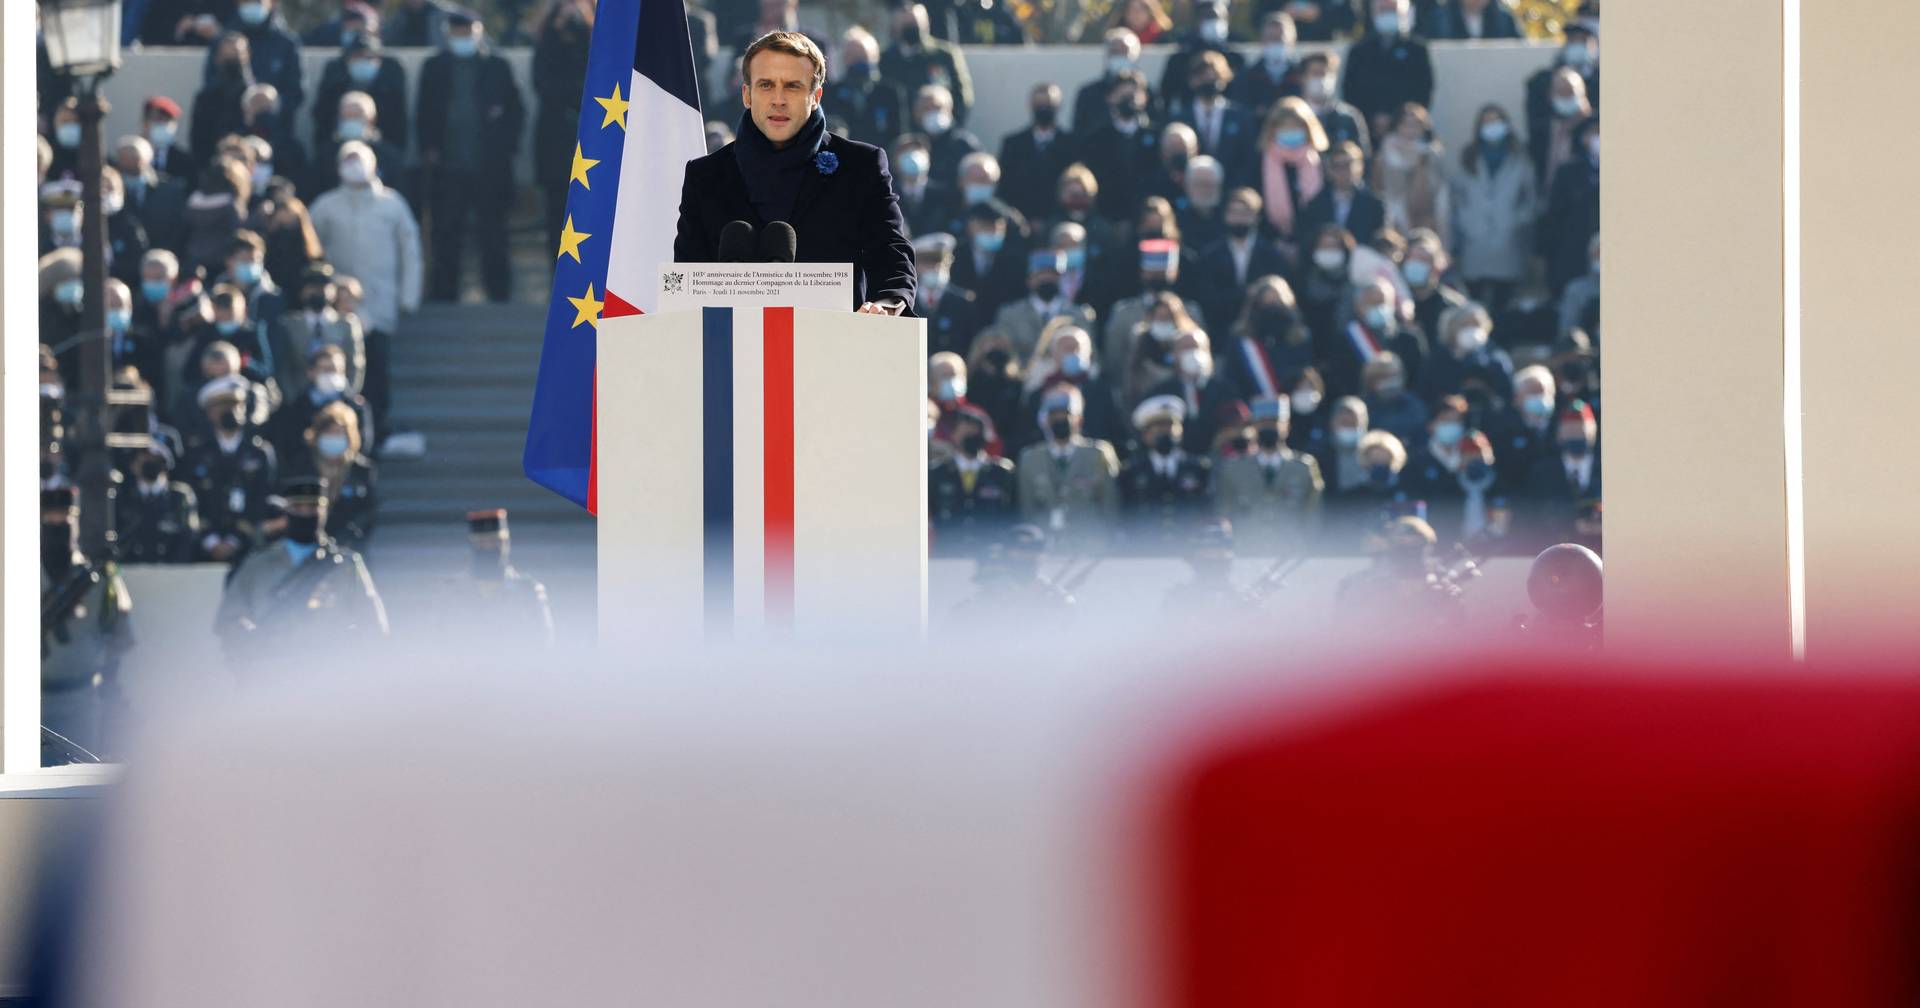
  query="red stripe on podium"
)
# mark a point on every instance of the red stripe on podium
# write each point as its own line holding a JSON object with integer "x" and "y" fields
{"x": 779, "y": 464}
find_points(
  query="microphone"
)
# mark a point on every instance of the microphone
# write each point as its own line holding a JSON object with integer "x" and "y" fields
{"x": 736, "y": 242}
{"x": 777, "y": 242}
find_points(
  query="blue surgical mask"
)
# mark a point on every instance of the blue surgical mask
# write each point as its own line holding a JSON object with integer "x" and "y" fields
{"x": 363, "y": 71}
{"x": 1566, "y": 106}
{"x": 1213, "y": 30}
{"x": 989, "y": 241}
{"x": 62, "y": 222}
{"x": 1074, "y": 366}
{"x": 155, "y": 291}
{"x": 914, "y": 164}
{"x": 352, "y": 129}
{"x": 1388, "y": 23}
{"x": 978, "y": 192}
{"x": 1494, "y": 131}
{"x": 226, "y": 327}
{"x": 247, "y": 272}
{"x": 1536, "y": 406}
{"x": 1275, "y": 52}
{"x": 332, "y": 446}
{"x": 252, "y": 12}
{"x": 347, "y": 38}
{"x": 161, "y": 134}
{"x": 1291, "y": 138}
{"x": 67, "y": 135}
{"x": 1417, "y": 271}
{"x": 119, "y": 320}
{"x": 463, "y": 45}
{"x": 69, "y": 293}
{"x": 1118, "y": 65}
{"x": 951, "y": 389}
{"x": 937, "y": 122}
{"x": 1449, "y": 433}
{"x": 1076, "y": 258}
{"x": 1378, "y": 317}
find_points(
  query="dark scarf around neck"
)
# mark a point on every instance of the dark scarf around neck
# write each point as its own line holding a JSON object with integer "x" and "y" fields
{"x": 773, "y": 176}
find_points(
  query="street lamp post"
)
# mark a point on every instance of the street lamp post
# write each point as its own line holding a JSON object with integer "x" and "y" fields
{"x": 83, "y": 45}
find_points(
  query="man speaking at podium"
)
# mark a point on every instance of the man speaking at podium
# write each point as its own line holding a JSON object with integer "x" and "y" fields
{"x": 784, "y": 166}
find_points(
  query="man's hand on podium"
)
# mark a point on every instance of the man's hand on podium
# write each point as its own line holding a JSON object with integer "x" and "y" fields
{"x": 891, "y": 306}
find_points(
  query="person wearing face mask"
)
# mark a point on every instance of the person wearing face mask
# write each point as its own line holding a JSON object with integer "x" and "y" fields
{"x": 991, "y": 256}
{"x": 1468, "y": 19}
{"x": 246, "y": 269}
{"x": 158, "y": 520}
{"x": 232, "y": 471}
{"x": 1378, "y": 495}
{"x": 1165, "y": 490}
{"x": 1580, "y": 304}
{"x": 1494, "y": 204}
{"x": 1178, "y": 144}
{"x": 1559, "y": 480}
{"x": 356, "y": 20}
{"x": 1373, "y": 331}
{"x": 160, "y": 125}
{"x": 947, "y": 386}
{"x": 1268, "y": 341}
{"x": 1198, "y": 205}
{"x": 333, "y": 453}
{"x": 157, "y": 202}
{"x": 1410, "y": 175}
{"x": 1070, "y": 240}
{"x": 1226, "y": 130}
{"x": 1344, "y": 199}
{"x": 1033, "y": 158}
{"x": 295, "y": 605}
{"x": 1208, "y": 396}
{"x": 1340, "y": 462}
{"x": 970, "y": 494}
{"x": 1090, "y": 109}
{"x": 1319, "y": 88}
{"x": 1463, "y": 355}
{"x": 1022, "y": 321}
{"x": 1315, "y": 20}
{"x": 1066, "y": 358}
{"x": 1271, "y": 493}
{"x": 1391, "y": 404}
{"x": 1389, "y": 66}
{"x": 273, "y": 53}
{"x": 1566, "y": 91}
{"x": 313, "y": 323}
{"x": 875, "y": 109}
{"x": 131, "y": 345}
{"x": 1522, "y": 432}
{"x": 1209, "y": 31}
{"x": 1572, "y": 217}
{"x": 927, "y": 206}
{"x": 947, "y": 143}
{"x": 1425, "y": 267}
{"x": 979, "y": 177}
{"x": 952, "y": 311}
{"x": 1433, "y": 470}
{"x": 65, "y": 135}
{"x": 1272, "y": 74}
{"x": 325, "y": 384}
{"x": 62, "y": 295}
{"x": 60, "y": 215}
{"x": 217, "y": 108}
{"x": 262, "y": 117}
{"x": 369, "y": 233}
{"x": 1123, "y": 148}
{"x": 1239, "y": 259}
{"x": 917, "y": 60}
{"x": 1068, "y": 481}
{"x": 364, "y": 67}
{"x": 1292, "y": 172}
{"x": 468, "y": 120}
{"x": 418, "y": 23}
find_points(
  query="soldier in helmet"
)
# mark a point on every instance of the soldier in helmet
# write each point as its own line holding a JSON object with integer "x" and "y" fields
{"x": 1405, "y": 584}
{"x": 1565, "y": 586}
{"x": 84, "y": 627}
{"x": 1166, "y": 491}
{"x": 301, "y": 599}
{"x": 1010, "y": 584}
{"x": 158, "y": 519}
{"x": 1212, "y": 592}
{"x": 509, "y": 607}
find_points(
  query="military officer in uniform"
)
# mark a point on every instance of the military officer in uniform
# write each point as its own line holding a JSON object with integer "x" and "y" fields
{"x": 232, "y": 471}
{"x": 1011, "y": 587}
{"x": 1211, "y": 593}
{"x": 509, "y": 607}
{"x": 301, "y": 600}
{"x": 1069, "y": 482}
{"x": 953, "y": 313}
{"x": 970, "y": 494}
{"x": 1164, "y": 489}
{"x": 1271, "y": 493}
{"x": 1406, "y": 588}
{"x": 158, "y": 519}
{"x": 85, "y": 626}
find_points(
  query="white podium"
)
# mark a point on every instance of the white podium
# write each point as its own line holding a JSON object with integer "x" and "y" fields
{"x": 761, "y": 470}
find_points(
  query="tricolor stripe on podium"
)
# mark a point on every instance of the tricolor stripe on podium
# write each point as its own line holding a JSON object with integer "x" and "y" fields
{"x": 746, "y": 447}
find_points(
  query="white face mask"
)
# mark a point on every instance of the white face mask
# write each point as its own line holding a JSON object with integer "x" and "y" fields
{"x": 937, "y": 121}
{"x": 1196, "y": 364}
{"x": 1566, "y": 106}
{"x": 353, "y": 172}
{"x": 1119, "y": 64}
{"x": 1469, "y": 339}
{"x": 1161, "y": 329}
{"x": 1329, "y": 259}
{"x": 1319, "y": 89}
{"x": 330, "y": 383}
{"x": 1305, "y": 401}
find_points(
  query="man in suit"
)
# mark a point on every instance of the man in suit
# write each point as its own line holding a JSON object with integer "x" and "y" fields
{"x": 1375, "y": 327}
{"x": 1425, "y": 271}
{"x": 970, "y": 493}
{"x": 1207, "y": 395}
{"x": 469, "y": 122}
{"x": 783, "y": 165}
{"x": 160, "y": 124}
{"x": 1237, "y": 259}
{"x": 1090, "y": 102}
{"x": 1271, "y": 493}
{"x": 1124, "y": 151}
{"x": 916, "y": 59}
{"x": 873, "y": 108}
{"x": 1388, "y": 67}
{"x": 1344, "y": 200}
{"x": 1468, "y": 19}
{"x": 1068, "y": 482}
{"x": 1165, "y": 489}
{"x": 947, "y": 142}
{"x": 313, "y": 323}
{"x": 990, "y": 260}
{"x": 1227, "y": 132}
{"x": 928, "y": 206}
{"x": 1581, "y": 52}
{"x": 158, "y": 519}
{"x": 1209, "y": 35}
{"x": 1273, "y": 75}
{"x": 1523, "y": 431}
{"x": 273, "y": 53}
{"x": 362, "y": 66}
{"x": 158, "y": 202}
{"x": 1319, "y": 85}
{"x": 1033, "y": 158}
{"x": 1559, "y": 481}
{"x": 1022, "y": 321}
{"x": 1197, "y": 206}
{"x": 952, "y": 312}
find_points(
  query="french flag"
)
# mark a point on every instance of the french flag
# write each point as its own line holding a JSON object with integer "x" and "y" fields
{"x": 640, "y": 124}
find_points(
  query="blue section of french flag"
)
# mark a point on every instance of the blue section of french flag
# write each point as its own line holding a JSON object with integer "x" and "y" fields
{"x": 625, "y": 200}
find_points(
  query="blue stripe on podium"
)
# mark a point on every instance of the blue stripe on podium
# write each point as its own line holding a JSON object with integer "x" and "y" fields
{"x": 716, "y": 375}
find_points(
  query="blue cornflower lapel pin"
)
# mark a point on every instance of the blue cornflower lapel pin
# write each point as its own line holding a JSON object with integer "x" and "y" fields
{"x": 826, "y": 162}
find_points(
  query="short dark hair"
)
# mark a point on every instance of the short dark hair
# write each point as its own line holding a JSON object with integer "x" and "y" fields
{"x": 246, "y": 241}
{"x": 791, "y": 43}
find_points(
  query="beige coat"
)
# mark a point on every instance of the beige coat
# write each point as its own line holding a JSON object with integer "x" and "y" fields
{"x": 1076, "y": 503}
{"x": 1268, "y": 515}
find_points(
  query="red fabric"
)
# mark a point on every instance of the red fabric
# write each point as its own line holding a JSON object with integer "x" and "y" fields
{"x": 1588, "y": 841}
{"x": 778, "y": 381}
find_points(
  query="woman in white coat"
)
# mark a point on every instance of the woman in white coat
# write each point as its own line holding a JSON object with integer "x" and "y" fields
{"x": 1494, "y": 204}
